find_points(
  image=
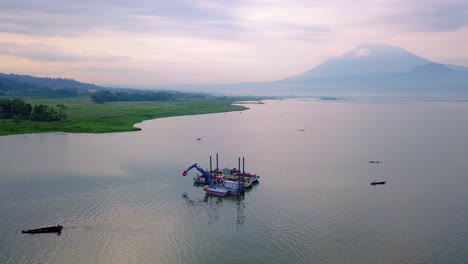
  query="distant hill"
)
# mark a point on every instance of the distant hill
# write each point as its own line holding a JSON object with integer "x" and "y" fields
{"x": 374, "y": 68}
{"x": 369, "y": 69}
{"x": 24, "y": 85}
{"x": 368, "y": 59}
{"x": 13, "y": 85}
{"x": 52, "y": 83}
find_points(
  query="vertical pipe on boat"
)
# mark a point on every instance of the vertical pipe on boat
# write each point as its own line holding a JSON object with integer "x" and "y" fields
{"x": 211, "y": 169}
{"x": 217, "y": 162}
{"x": 243, "y": 164}
{"x": 239, "y": 188}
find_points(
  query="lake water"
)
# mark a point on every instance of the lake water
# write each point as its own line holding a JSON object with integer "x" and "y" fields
{"x": 122, "y": 199}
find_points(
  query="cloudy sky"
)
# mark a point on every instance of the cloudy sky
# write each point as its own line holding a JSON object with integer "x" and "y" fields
{"x": 147, "y": 43}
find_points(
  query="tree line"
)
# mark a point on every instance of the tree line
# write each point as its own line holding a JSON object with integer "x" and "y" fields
{"x": 19, "y": 110}
{"x": 107, "y": 96}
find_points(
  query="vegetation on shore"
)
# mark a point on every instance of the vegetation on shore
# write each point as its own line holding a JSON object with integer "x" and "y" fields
{"x": 18, "y": 110}
{"x": 138, "y": 95}
{"x": 84, "y": 116}
{"x": 31, "y": 104}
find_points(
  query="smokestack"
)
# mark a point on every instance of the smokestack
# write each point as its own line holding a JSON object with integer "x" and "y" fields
{"x": 239, "y": 165}
{"x": 211, "y": 169}
{"x": 217, "y": 168}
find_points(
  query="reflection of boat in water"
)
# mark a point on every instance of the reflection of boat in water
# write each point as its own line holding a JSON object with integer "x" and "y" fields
{"x": 214, "y": 204}
{"x": 49, "y": 229}
{"x": 378, "y": 182}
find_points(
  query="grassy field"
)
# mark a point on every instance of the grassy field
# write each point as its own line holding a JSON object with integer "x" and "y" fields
{"x": 85, "y": 116}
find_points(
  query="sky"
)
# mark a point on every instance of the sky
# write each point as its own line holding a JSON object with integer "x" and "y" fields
{"x": 149, "y": 43}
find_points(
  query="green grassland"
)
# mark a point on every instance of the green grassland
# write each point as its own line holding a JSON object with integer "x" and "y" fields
{"x": 84, "y": 116}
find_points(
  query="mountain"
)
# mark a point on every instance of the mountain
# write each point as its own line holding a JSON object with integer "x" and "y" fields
{"x": 432, "y": 69}
{"x": 375, "y": 68}
{"x": 368, "y": 59}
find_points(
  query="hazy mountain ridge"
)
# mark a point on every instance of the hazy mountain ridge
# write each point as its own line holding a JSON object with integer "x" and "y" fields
{"x": 380, "y": 69}
{"x": 13, "y": 85}
{"x": 369, "y": 68}
{"x": 432, "y": 68}
{"x": 52, "y": 83}
{"x": 9, "y": 87}
{"x": 364, "y": 60}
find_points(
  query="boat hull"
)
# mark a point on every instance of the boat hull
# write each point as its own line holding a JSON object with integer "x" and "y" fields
{"x": 52, "y": 229}
{"x": 219, "y": 191}
{"x": 254, "y": 178}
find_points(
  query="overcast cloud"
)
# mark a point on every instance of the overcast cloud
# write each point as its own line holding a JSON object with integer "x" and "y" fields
{"x": 148, "y": 42}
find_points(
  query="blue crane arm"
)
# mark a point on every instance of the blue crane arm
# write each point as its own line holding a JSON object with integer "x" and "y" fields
{"x": 201, "y": 170}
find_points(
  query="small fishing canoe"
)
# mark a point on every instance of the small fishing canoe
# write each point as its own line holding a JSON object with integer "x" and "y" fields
{"x": 49, "y": 229}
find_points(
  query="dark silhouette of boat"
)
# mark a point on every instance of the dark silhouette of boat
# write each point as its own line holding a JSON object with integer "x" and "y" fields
{"x": 49, "y": 229}
{"x": 378, "y": 182}
{"x": 375, "y": 161}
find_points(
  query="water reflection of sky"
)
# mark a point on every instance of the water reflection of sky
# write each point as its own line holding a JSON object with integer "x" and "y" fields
{"x": 122, "y": 200}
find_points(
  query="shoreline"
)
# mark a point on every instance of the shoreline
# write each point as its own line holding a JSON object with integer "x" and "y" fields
{"x": 87, "y": 117}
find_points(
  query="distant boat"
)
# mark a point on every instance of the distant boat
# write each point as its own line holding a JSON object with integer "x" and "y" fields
{"x": 375, "y": 161}
{"x": 329, "y": 98}
{"x": 378, "y": 182}
{"x": 302, "y": 130}
{"x": 49, "y": 229}
{"x": 198, "y": 138}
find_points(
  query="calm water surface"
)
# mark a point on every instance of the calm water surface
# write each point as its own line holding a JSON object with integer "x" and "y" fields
{"x": 122, "y": 199}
